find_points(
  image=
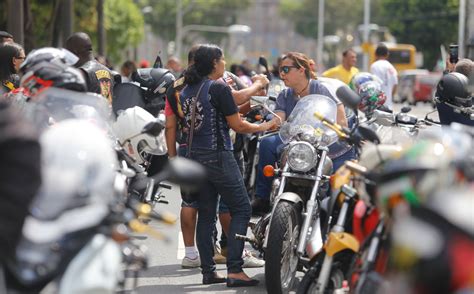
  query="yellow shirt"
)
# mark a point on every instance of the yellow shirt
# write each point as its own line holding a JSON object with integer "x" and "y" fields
{"x": 340, "y": 73}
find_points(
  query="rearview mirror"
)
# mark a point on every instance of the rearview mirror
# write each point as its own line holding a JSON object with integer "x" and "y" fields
{"x": 348, "y": 97}
{"x": 186, "y": 173}
{"x": 263, "y": 62}
{"x": 153, "y": 128}
{"x": 368, "y": 134}
{"x": 405, "y": 109}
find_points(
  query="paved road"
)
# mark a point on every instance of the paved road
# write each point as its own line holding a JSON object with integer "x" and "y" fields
{"x": 165, "y": 274}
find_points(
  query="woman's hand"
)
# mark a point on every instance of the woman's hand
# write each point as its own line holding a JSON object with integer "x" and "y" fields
{"x": 261, "y": 79}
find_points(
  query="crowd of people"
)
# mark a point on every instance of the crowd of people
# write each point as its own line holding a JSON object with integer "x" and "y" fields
{"x": 203, "y": 114}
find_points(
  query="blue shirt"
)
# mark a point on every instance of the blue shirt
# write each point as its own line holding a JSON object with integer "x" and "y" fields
{"x": 287, "y": 100}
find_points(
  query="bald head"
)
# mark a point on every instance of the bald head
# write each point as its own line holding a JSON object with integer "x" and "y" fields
{"x": 80, "y": 44}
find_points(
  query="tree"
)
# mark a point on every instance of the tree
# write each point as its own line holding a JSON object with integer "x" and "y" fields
{"x": 124, "y": 24}
{"x": 425, "y": 23}
{"x": 123, "y": 20}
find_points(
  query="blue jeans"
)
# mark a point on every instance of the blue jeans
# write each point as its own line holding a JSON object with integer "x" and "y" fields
{"x": 269, "y": 151}
{"x": 224, "y": 179}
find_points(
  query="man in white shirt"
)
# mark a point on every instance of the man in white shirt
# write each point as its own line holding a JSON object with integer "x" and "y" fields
{"x": 386, "y": 72}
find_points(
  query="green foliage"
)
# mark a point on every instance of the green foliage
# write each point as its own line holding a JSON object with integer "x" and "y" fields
{"x": 425, "y": 23}
{"x": 124, "y": 25}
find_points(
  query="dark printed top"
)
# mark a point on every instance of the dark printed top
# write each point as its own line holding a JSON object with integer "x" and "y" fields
{"x": 214, "y": 103}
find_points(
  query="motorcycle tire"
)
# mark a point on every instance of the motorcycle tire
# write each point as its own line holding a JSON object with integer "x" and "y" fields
{"x": 277, "y": 278}
{"x": 369, "y": 283}
{"x": 310, "y": 279}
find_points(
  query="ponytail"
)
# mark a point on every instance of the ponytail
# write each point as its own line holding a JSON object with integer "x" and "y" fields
{"x": 191, "y": 75}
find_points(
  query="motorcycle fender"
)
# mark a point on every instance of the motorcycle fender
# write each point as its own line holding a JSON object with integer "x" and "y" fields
{"x": 286, "y": 196}
{"x": 315, "y": 243}
{"x": 338, "y": 242}
{"x": 97, "y": 268}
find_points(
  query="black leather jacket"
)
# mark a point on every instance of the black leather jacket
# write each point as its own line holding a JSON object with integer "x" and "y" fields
{"x": 99, "y": 78}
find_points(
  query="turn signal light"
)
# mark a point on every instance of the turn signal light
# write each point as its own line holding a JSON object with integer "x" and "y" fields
{"x": 269, "y": 171}
{"x": 258, "y": 117}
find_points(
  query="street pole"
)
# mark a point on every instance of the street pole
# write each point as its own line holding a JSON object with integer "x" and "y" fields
{"x": 15, "y": 23}
{"x": 461, "y": 27}
{"x": 319, "y": 48}
{"x": 179, "y": 26}
{"x": 470, "y": 30}
{"x": 365, "y": 64}
{"x": 101, "y": 27}
{"x": 68, "y": 19}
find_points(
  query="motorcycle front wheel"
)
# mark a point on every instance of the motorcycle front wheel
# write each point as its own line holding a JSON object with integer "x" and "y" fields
{"x": 281, "y": 260}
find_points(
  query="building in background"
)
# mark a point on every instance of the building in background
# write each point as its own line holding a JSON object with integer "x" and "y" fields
{"x": 271, "y": 36}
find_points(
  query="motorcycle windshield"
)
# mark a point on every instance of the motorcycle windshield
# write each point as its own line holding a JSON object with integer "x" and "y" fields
{"x": 55, "y": 105}
{"x": 302, "y": 119}
{"x": 275, "y": 87}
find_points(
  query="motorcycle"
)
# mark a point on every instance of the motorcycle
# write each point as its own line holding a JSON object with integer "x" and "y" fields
{"x": 77, "y": 237}
{"x": 261, "y": 110}
{"x": 148, "y": 91}
{"x": 298, "y": 189}
{"x": 332, "y": 261}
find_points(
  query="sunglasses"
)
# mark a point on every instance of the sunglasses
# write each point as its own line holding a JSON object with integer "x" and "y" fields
{"x": 286, "y": 68}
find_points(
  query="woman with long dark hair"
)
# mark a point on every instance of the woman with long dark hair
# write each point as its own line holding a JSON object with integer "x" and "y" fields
{"x": 209, "y": 110}
{"x": 11, "y": 57}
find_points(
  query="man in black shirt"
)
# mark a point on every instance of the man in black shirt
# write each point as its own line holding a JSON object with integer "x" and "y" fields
{"x": 98, "y": 77}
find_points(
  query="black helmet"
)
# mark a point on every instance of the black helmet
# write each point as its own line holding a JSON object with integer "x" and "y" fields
{"x": 155, "y": 80}
{"x": 52, "y": 74}
{"x": 452, "y": 88}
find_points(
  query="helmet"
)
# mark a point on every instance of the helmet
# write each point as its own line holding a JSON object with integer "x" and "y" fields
{"x": 432, "y": 163}
{"x": 372, "y": 96}
{"x": 361, "y": 78}
{"x": 453, "y": 88}
{"x": 129, "y": 124}
{"x": 48, "y": 54}
{"x": 156, "y": 80}
{"x": 54, "y": 73}
{"x": 78, "y": 176}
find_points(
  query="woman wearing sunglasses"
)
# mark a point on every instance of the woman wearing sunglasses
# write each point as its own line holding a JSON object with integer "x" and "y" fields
{"x": 11, "y": 56}
{"x": 295, "y": 70}
{"x": 209, "y": 110}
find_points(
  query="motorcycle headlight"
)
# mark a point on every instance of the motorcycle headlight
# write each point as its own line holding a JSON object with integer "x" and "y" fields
{"x": 302, "y": 156}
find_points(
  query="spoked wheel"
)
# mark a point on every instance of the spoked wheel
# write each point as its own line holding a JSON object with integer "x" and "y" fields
{"x": 309, "y": 282}
{"x": 281, "y": 260}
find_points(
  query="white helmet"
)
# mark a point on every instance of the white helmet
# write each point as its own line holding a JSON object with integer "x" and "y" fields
{"x": 129, "y": 124}
{"x": 78, "y": 172}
